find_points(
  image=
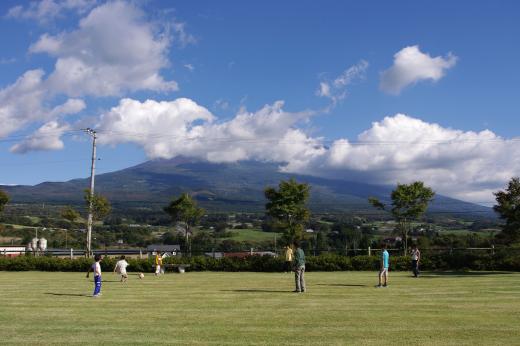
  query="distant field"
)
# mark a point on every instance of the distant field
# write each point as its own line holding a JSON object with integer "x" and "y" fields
{"x": 340, "y": 308}
{"x": 252, "y": 235}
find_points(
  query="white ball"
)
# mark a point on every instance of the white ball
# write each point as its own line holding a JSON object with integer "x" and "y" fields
{"x": 141, "y": 275}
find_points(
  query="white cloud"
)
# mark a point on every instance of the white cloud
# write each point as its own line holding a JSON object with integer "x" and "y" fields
{"x": 114, "y": 50}
{"x": 181, "y": 35}
{"x": 46, "y": 137}
{"x": 189, "y": 67}
{"x": 267, "y": 134}
{"x": 221, "y": 104}
{"x": 71, "y": 106}
{"x": 336, "y": 89}
{"x": 46, "y": 10}
{"x": 464, "y": 164}
{"x": 23, "y": 103}
{"x": 411, "y": 66}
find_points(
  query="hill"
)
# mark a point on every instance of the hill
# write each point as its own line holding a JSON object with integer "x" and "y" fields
{"x": 220, "y": 187}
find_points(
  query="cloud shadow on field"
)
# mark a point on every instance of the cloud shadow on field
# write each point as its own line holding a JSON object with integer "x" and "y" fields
{"x": 68, "y": 294}
{"x": 342, "y": 285}
{"x": 430, "y": 275}
{"x": 254, "y": 290}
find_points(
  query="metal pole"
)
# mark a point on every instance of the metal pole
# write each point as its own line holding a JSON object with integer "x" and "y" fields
{"x": 92, "y": 133}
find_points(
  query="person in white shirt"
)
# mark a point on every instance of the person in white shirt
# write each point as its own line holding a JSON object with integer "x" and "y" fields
{"x": 96, "y": 268}
{"x": 416, "y": 257}
{"x": 120, "y": 268}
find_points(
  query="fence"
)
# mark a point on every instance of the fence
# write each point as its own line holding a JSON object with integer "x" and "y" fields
{"x": 11, "y": 251}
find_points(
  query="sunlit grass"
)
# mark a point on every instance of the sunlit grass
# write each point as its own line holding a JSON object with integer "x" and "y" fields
{"x": 339, "y": 308}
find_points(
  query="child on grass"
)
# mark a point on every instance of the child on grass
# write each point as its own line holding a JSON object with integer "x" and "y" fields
{"x": 158, "y": 263}
{"x": 120, "y": 268}
{"x": 96, "y": 268}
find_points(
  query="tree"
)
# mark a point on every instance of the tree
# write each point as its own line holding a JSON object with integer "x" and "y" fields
{"x": 100, "y": 208}
{"x": 4, "y": 198}
{"x": 184, "y": 209}
{"x": 100, "y": 205}
{"x": 287, "y": 205}
{"x": 508, "y": 207}
{"x": 345, "y": 235}
{"x": 409, "y": 202}
{"x": 70, "y": 214}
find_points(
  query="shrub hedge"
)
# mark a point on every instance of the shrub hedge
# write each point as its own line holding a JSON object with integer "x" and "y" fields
{"x": 324, "y": 262}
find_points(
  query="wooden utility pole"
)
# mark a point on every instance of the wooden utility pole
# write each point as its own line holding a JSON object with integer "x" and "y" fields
{"x": 92, "y": 133}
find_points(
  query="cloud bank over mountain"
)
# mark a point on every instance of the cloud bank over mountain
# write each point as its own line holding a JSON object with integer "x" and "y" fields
{"x": 399, "y": 148}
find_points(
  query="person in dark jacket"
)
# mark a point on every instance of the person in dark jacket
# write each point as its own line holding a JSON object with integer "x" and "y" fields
{"x": 299, "y": 268}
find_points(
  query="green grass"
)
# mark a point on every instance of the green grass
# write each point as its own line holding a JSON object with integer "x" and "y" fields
{"x": 252, "y": 235}
{"x": 480, "y": 308}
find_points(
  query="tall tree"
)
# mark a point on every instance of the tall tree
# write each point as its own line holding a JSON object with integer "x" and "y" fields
{"x": 4, "y": 198}
{"x": 409, "y": 202}
{"x": 184, "y": 209}
{"x": 288, "y": 206}
{"x": 100, "y": 205}
{"x": 508, "y": 207}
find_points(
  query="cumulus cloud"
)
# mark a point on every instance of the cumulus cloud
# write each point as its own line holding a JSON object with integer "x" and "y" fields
{"x": 336, "y": 89}
{"x": 114, "y": 50}
{"x": 23, "y": 103}
{"x": 46, "y": 10}
{"x": 46, "y": 137}
{"x": 182, "y": 127}
{"x": 411, "y": 66}
{"x": 464, "y": 164}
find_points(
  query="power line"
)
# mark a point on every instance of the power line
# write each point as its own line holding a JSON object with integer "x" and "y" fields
{"x": 321, "y": 140}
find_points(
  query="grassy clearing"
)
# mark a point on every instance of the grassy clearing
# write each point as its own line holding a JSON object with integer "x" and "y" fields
{"x": 259, "y": 309}
{"x": 252, "y": 235}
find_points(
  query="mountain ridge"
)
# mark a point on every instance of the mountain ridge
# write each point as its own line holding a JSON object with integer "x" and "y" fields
{"x": 219, "y": 187}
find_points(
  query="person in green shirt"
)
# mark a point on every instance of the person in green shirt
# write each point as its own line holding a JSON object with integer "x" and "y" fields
{"x": 299, "y": 268}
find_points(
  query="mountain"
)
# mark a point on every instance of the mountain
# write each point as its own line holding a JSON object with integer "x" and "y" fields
{"x": 219, "y": 187}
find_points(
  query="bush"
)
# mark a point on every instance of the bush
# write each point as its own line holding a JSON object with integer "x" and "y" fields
{"x": 326, "y": 262}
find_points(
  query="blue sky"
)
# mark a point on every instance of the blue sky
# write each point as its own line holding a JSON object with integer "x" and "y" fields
{"x": 375, "y": 91}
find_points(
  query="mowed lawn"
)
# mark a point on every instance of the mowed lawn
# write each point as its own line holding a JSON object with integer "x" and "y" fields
{"x": 340, "y": 308}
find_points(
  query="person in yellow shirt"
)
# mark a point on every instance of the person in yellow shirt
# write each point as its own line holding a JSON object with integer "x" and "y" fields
{"x": 158, "y": 263}
{"x": 288, "y": 258}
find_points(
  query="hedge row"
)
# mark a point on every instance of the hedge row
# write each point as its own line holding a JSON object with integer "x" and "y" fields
{"x": 325, "y": 262}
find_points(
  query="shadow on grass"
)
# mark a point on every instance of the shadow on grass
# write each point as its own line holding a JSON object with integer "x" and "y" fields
{"x": 342, "y": 285}
{"x": 461, "y": 274}
{"x": 256, "y": 291}
{"x": 69, "y": 294}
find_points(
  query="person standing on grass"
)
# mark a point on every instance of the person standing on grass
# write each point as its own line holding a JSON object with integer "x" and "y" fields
{"x": 96, "y": 268}
{"x": 299, "y": 268}
{"x": 120, "y": 268}
{"x": 158, "y": 263}
{"x": 416, "y": 257}
{"x": 383, "y": 272}
{"x": 288, "y": 258}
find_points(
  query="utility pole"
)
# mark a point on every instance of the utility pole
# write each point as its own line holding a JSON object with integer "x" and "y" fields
{"x": 91, "y": 133}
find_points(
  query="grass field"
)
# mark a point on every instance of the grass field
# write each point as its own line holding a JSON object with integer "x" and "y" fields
{"x": 252, "y": 235}
{"x": 340, "y": 308}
